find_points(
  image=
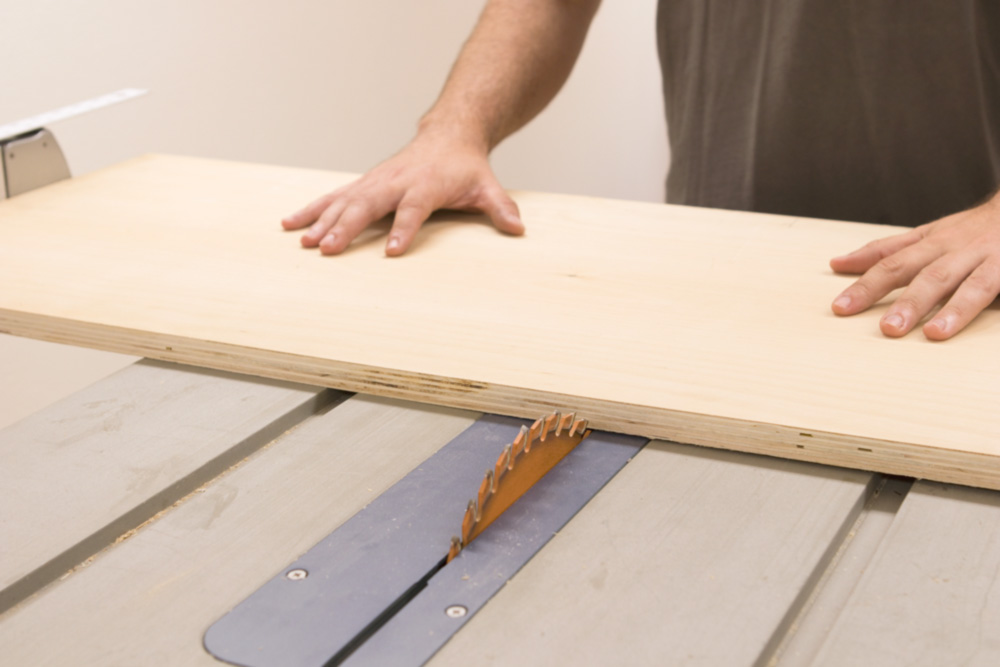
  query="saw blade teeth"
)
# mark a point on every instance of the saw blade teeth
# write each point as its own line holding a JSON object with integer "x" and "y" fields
{"x": 561, "y": 424}
{"x": 468, "y": 521}
{"x": 551, "y": 422}
{"x": 525, "y": 437}
{"x": 485, "y": 489}
{"x": 533, "y": 431}
{"x": 522, "y": 443}
{"x": 456, "y": 546}
{"x": 566, "y": 422}
{"x": 579, "y": 426}
{"x": 522, "y": 435}
{"x": 500, "y": 465}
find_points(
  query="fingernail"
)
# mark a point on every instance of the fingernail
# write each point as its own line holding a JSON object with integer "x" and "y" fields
{"x": 393, "y": 244}
{"x": 895, "y": 321}
{"x": 942, "y": 324}
{"x": 843, "y": 302}
{"x": 330, "y": 239}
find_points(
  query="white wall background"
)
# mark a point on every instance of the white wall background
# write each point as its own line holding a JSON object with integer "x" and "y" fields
{"x": 332, "y": 84}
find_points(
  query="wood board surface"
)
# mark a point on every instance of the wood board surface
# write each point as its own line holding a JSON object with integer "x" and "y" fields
{"x": 695, "y": 325}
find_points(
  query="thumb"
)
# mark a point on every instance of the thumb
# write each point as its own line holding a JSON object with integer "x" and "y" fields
{"x": 503, "y": 211}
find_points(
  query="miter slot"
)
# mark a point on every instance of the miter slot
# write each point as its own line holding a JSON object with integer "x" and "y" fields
{"x": 374, "y": 591}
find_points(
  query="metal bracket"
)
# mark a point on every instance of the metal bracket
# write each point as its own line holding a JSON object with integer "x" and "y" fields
{"x": 31, "y": 161}
{"x": 30, "y": 156}
{"x": 376, "y": 590}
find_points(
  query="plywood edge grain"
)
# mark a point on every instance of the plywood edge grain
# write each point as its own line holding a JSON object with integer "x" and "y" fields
{"x": 782, "y": 440}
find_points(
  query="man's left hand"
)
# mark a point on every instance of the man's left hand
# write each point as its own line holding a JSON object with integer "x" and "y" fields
{"x": 958, "y": 255}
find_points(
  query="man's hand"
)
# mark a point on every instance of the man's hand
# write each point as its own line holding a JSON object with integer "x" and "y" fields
{"x": 518, "y": 56}
{"x": 956, "y": 258}
{"x": 432, "y": 172}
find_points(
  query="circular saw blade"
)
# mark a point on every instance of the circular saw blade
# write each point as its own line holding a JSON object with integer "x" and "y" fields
{"x": 534, "y": 452}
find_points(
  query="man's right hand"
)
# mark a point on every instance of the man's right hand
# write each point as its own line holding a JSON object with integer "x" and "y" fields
{"x": 515, "y": 61}
{"x": 434, "y": 171}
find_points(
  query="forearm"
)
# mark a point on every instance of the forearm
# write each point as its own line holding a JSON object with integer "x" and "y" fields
{"x": 516, "y": 60}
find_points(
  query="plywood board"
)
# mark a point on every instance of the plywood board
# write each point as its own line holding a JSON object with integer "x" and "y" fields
{"x": 695, "y": 325}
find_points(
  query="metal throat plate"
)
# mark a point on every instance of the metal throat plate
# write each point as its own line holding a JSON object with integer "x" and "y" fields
{"x": 374, "y": 591}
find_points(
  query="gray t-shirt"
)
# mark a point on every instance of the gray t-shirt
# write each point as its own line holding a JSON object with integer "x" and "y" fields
{"x": 870, "y": 110}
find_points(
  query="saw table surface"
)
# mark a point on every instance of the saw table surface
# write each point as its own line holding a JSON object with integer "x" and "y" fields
{"x": 138, "y": 511}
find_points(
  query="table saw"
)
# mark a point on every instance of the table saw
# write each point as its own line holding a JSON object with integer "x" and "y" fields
{"x": 140, "y": 511}
{"x": 180, "y": 514}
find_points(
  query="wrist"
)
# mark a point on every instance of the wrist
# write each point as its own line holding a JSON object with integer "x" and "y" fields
{"x": 458, "y": 129}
